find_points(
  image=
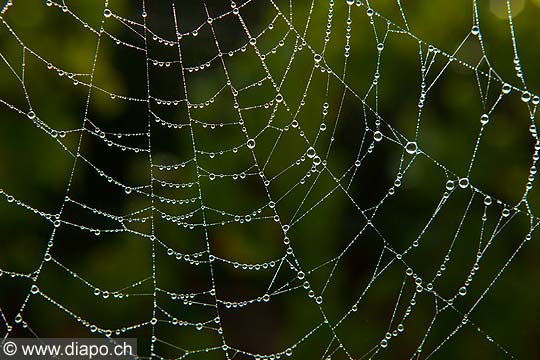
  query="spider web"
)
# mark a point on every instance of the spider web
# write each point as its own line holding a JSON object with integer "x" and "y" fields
{"x": 263, "y": 179}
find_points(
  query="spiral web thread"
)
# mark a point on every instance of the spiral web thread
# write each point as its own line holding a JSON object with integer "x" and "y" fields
{"x": 315, "y": 154}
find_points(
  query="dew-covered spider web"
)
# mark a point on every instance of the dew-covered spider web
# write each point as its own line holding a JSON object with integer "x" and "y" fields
{"x": 267, "y": 179}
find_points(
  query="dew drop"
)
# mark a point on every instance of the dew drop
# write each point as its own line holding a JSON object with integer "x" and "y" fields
{"x": 411, "y": 147}
{"x": 506, "y": 88}
{"x": 463, "y": 183}
{"x": 526, "y": 97}
{"x": 107, "y": 13}
{"x": 462, "y": 291}
{"x": 475, "y": 30}
{"x": 251, "y": 143}
{"x": 484, "y": 119}
{"x": 377, "y": 136}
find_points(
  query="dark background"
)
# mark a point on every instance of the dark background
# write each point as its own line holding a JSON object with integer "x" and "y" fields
{"x": 36, "y": 162}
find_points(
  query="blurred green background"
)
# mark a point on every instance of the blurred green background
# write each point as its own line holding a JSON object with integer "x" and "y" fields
{"x": 113, "y": 263}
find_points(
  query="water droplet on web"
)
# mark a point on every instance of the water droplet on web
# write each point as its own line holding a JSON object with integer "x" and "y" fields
{"x": 310, "y": 152}
{"x": 484, "y": 119}
{"x": 450, "y": 185}
{"x": 506, "y": 212}
{"x": 31, "y": 115}
{"x": 34, "y": 289}
{"x": 377, "y": 136}
{"x": 463, "y": 291}
{"x": 301, "y": 275}
{"x": 251, "y": 143}
{"x": 411, "y": 147}
{"x": 317, "y": 58}
{"x": 107, "y": 13}
{"x": 506, "y": 88}
{"x": 350, "y": 2}
{"x": 384, "y": 343}
{"x": 475, "y": 30}
{"x": 463, "y": 183}
{"x": 279, "y": 98}
{"x": 526, "y": 97}
{"x": 127, "y": 190}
